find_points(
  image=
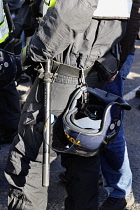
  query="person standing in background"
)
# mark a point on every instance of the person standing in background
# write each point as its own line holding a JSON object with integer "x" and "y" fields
{"x": 116, "y": 170}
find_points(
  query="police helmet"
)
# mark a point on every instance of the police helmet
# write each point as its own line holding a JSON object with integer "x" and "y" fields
{"x": 91, "y": 121}
{"x": 8, "y": 68}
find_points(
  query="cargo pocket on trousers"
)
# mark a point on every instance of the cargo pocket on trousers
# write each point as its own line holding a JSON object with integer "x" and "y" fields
{"x": 17, "y": 163}
{"x": 32, "y": 134}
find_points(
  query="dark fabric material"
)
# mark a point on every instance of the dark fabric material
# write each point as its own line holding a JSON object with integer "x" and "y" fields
{"x": 15, "y": 4}
{"x": 28, "y": 20}
{"x": 81, "y": 182}
{"x": 133, "y": 25}
{"x": 18, "y": 27}
{"x": 9, "y": 108}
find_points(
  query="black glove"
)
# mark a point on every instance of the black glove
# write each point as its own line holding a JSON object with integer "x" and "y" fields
{"x": 28, "y": 65}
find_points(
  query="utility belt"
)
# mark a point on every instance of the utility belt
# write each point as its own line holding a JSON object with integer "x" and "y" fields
{"x": 100, "y": 72}
{"x": 66, "y": 74}
{"x": 67, "y": 70}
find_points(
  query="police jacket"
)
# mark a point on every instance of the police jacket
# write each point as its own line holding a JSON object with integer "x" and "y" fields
{"x": 73, "y": 32}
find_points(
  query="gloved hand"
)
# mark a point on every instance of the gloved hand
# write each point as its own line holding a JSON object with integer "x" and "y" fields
{"x": 23, "y": 55}
{"x": 28, "y": 65}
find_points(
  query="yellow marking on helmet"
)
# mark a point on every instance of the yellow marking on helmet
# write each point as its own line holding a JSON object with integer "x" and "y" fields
{"x": 51, "y": 3}
{"x": 71, "y": 139}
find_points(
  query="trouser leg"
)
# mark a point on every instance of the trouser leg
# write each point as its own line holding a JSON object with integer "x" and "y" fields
{"x": 115, "y": 161}
{"x": 116, "y": 168}
{"x": 24, "y": 165}
{"x": 25, "y": 178}
{"x": 81, "y": 182}
{"x": 30, "y": 197}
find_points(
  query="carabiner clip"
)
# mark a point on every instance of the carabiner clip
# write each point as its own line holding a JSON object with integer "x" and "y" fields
{"x": 81, "y": 77}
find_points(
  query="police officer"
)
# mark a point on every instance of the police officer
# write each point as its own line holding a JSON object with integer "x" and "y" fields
{"x": 72, "y": 33}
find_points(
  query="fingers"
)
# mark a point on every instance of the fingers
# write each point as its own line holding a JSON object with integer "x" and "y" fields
{"x": 112, "y": 78}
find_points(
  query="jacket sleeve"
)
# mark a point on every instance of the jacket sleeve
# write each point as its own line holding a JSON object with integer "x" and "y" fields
{"x": 60, "y": 26}
{"x": 133, "y": 25}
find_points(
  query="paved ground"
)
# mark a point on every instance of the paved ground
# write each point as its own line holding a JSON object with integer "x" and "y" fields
{"x": 132, "y": 132}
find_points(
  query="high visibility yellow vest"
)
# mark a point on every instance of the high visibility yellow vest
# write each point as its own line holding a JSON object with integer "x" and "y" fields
{"x": 4, "y": 29}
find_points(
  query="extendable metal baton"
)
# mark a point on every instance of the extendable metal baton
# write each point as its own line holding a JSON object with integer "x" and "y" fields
{"x": 47, "y": 124}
